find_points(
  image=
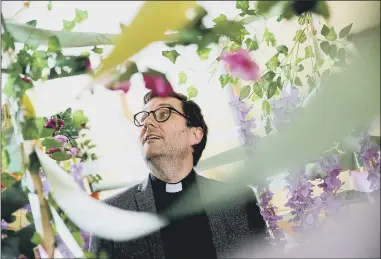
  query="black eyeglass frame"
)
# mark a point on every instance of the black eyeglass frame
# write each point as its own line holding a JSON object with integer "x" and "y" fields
{"x": 154, "y": 115}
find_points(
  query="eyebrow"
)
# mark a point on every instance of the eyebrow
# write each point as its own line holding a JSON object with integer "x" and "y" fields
{"x": 161, "y": 105}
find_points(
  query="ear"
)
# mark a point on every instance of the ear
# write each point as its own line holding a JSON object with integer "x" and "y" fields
{"x": 196, "y": 135}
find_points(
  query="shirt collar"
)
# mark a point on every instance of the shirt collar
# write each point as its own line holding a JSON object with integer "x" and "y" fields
{"x": 173, "y": 187}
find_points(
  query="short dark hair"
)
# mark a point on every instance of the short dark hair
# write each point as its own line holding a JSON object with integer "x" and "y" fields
{"x": 195, "y": 119}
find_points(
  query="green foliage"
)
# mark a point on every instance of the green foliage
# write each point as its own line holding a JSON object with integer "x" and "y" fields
{"x": 309, "y": 52}
{"x": 182, "y": 78}
{"x": 252, "y": 44}
{"x": 271, "y": 90}
{"x": 298, "y": 82}
{"x": 273, "y": 62}
{"x": 32, "y": 23}
{"x": 322, "y": 9}
{"x": 264, "y": 7}
{"x": 171, "y": 55}
{"x": 269, "y": 38}
{"x": 225, "y": 79}
{"x": 325, "y": 47}
{"x": 7, "y": 180}
{"x": 50, "y": 6}
{"x": 203, "y": 53}
{"x": 97, "y": 50}
{"x": 332, "y": 51}
{"x": 79, "y": 118}
{"x": 192, "y": 92}
{"x": 80, "y": 15}
{"x": 131, "y": 70}
{"x": 331, "y": 36}
{"x": 7, "y": 41}
{"x": 51, "y": 143}
{"x": 300, "y": 36}
{"x": 54, "y": 44}
{"x": 68, "y": 25}
{"x": 245, "y": 92}
{"x": 269, "y": 76}
{"x": 257, "y": 88}
{"x": 345, "y": 31}
{"x": 60, "y": 156}
{"x": 36, "y": 239}
{"x": 266, "y": 107}
{"x": 282, "y": 49}
{"x": 242, "y": 5}
{"x": 34, "y": 163}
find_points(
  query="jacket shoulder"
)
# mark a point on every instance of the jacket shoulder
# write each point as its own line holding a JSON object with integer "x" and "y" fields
{"x": 123, "y": 198}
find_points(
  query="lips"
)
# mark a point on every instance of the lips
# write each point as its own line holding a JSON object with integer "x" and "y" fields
{"x": 151, "y": 137}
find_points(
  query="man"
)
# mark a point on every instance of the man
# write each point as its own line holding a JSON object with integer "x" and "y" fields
{"x": 173, "y": 137}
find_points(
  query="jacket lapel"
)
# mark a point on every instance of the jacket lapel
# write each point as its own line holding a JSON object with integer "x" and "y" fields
{"x": 145, "y": 201}
{"x": 216, "y": 221}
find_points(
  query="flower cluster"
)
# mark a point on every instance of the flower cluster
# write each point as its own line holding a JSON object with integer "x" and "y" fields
{"x": 268, "y": 213}
{"x": 240, "y": 64}
{"x": 54, "y": 123}
{"x": 369, "y": 153}
{"x": 301, "y": 202}
{"x": 285, "y": 106}
{"x": 245, "y": 127}
{"x": 331, "y": 184}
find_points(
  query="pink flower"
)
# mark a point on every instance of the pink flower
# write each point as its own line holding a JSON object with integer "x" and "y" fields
{"x": 54, "y": 124}
{"x": 88, "y": 64}
{"x": 241, "y": 65}
{"x": 124, "y": 86}
{"x": 72, "y": 152}
{"x": 158, "y": 85}
{"x": 60, "y": 138}
{"x": 53, "y": 150}
{"x": 26, "y": 79}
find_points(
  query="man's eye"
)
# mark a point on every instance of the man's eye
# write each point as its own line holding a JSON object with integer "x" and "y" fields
{"x": 161, "y": 115}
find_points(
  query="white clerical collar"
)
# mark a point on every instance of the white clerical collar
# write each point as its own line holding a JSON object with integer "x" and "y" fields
{"x": 173, "y": 187}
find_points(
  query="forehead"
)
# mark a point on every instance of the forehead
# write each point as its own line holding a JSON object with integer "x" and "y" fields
{"x": 162, "y": 101}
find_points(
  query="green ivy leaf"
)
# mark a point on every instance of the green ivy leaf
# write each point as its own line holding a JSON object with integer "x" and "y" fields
{"x": 325, "y": 46}
{"x": 282, "y": 49}
{"x": 331, "y": 35}
{"x": 251, "y": 45}
{"x": 325, "y": 30}
{"x": 243, "y": 5}
{"x": 234, "y": 46}
{"x": 97, "y": 50}
{"x": 182, "y": 78}
{"x": 264, "y": 7}
{"x": 269, "y": 38}
{"x": 30, "y": 130}
{"x": 54, "y": 44}
{"x": 171, "y": 55}
{"x": 298, "y": 60}
{"x": 268, "y": 127}
{"x": 273, "y": 63}
{"x": 77, "y": 236}
{"x": 50, "y": 6}
{"x": 269, "y": 76}
{"x": 266, "y": 107}
{"x": 271, "y": 90}
{"x": 32, "y": 23}
{"x": 298, "y": 82}
{"x": 258, "y": 89}
{"x": 341, "y": 54}
{"x": 300, "y": 68}
{"x": 332, "y": 51}
{"x": 203, "y": 53}
{"x": 309, "y": 52}
{"x": 279, "y": 83}
{"x": 220, "y": 19}
{"x": 7, "y": 180}
{"x": 51, "y": 143}
{"x": 60, "y": 156}
{"x": 46, "y": 132}
{"x": 322, "y": 9}
{"x": 131, "y": 70}
{"x": 345, "y": 31}
{"x": 68, "y": 25}
{"x": 36, "y": 239}
{"x": 80, "y": 15}
{"x": 79, "y": 118}
{"x": 7, "y": 41}
{"x": 192, "y": 92}
{"x": 255, "y": 97}
{"x": 85, "y": 54}
{"x": 300, "y": 36}
{"x": 244, "y": 92}
{"x": 224, "y": 79}
{"x": 9, "y": 86}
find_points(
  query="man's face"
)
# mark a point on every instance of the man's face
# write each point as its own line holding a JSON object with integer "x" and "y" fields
{"x": 175, "y": 138}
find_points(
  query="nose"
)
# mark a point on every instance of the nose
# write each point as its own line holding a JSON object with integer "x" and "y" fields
{"x": 149, "y": 121}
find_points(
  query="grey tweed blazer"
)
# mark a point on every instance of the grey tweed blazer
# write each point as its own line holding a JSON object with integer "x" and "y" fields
{"x": 230, "y": 225}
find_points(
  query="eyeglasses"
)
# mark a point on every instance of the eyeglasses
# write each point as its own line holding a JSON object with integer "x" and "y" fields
{"x": 161, "y": 114}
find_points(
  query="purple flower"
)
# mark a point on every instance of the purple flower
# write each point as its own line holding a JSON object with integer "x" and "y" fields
{"x": 284, "y": 107}
{"x": 62, "y": 247}
{"x": 54, "y": 123}
{"x": 86, "y": 239}
{"x": 244, "y": 126}
{"x": 369, "y": 154}
{"x": 46, "y": 187}
{"x": 77, "y": 174}
{"x": 4, "y": 225}
{"x": 61, "y": 138}
{"x": 28, "y": 208}
{"x": 73, "y": 151}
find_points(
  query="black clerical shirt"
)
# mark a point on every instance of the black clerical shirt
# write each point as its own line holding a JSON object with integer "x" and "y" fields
{"x": 188, "y": 237}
